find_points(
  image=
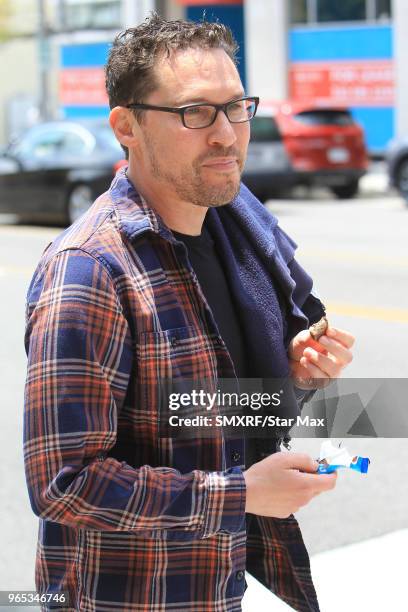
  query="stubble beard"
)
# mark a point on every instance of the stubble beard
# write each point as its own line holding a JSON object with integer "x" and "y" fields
{"x": 190, "y": 186}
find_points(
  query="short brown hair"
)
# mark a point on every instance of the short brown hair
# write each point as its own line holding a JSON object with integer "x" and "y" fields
{"x": 129, "y": 73}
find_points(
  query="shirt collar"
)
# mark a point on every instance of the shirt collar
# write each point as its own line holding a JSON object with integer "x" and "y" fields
{"x": 134, "y": 214}
{"x": 137, "y": 217}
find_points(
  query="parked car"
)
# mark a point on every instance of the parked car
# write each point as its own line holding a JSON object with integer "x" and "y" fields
{"x": 397, "y": 164}
{"x": 302, "y": 144}
{"x": 56, "y": 170}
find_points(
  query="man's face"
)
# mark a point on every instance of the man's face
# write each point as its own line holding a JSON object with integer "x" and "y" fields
{"x": 200, "y": 166}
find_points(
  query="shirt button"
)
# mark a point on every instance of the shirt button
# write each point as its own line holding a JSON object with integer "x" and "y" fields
{"x": 174, "y": 341}
{"x": 235, "y": 456}
{"x": 239, "y": 575}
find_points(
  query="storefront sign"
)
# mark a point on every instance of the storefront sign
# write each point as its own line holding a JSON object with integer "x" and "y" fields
{"x": 351, "y": 83}
{"x": 82, "y": 87}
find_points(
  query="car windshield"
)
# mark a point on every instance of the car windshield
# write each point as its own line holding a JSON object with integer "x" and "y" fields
{"x": 325, "y": 117}
{"x": 264, "y": 129}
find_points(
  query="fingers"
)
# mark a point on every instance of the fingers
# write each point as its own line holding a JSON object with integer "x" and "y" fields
{"x": 304, "y": 378}
{"x": 298, "y": 344}
{"x": 304, "y": 339}
{"x": 319, "y": 483}
{"x": 315, "y": 344}
{"x": 322, "y": 366}
{"x": 325, "y": 482}
{"x": 341, "y": 336}
{"x": 300, "y": 461}
{"x": 314, "y": 364}
{"x": 298, "y": 371}
{"x": 339, "y": 351}
{"x": 336, "y": 358}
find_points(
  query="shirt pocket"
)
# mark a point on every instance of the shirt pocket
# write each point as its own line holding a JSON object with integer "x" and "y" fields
{"x": 182, "y": 352}
{"x": 176, "y": 360}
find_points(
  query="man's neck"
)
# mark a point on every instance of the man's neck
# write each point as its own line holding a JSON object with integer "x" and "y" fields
{"x": 178, "y": 215}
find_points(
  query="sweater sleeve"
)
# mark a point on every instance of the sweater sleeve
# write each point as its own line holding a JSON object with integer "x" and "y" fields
{"x": 79, "y": 351}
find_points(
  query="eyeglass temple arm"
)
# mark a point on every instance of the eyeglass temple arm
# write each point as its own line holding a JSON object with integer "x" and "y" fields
{"x": 179, "y": 111}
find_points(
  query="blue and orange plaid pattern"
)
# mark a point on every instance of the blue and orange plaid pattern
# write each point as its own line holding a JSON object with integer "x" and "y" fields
{"x": 112, "y": 309}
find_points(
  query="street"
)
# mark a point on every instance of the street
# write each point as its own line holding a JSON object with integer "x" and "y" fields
{"x": 357, "y": 253}
{"x": 305, "y": 97}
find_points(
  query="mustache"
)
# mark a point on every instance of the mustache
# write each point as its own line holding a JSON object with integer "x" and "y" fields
{"x": 220, "y": 152}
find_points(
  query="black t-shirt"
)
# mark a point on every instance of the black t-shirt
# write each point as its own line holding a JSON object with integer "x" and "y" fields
{"x": 208, "y": 269}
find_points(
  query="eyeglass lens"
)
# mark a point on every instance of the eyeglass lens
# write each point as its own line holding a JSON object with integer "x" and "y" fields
{"x": 203, "y": 115}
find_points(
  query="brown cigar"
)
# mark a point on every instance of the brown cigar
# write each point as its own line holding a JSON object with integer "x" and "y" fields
{"x": 318, "y": 329}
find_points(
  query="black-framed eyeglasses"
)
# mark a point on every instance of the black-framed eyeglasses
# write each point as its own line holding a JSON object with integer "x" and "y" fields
{"x": 198, "y": 115}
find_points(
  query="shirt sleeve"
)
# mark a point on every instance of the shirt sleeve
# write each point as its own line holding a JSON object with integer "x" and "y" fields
{"x": 79, "y": 350}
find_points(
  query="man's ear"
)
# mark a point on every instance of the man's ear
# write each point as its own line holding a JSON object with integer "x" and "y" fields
{"x": 125, "y": 126}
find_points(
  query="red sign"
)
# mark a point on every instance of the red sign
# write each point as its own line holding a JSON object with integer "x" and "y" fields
{"x": 82, "y": 87}
{"x": 352, "y": 83}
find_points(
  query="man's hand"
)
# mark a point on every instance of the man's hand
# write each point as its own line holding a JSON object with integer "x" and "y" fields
{"x": 314, "y": 362}
{"x": 283, "y": 482}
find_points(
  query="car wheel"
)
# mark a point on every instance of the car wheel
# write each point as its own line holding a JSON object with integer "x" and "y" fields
{"x": 401, "y": 181}
{"x": 80, "y": 198}
{"x": 344, "y": 192}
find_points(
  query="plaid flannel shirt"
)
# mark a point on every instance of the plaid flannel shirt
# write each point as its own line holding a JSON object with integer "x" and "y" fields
{"x": 130, "y": 521}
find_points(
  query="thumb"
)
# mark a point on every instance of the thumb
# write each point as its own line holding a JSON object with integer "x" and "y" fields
{"x": 298, "y": 344}
{"x": 304, "y": 336}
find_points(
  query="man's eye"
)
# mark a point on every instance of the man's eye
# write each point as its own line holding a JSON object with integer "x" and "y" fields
{"x": 196, "y": 110}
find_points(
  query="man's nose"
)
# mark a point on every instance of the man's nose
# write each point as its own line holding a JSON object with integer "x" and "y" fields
{"x": 222, "y": 131}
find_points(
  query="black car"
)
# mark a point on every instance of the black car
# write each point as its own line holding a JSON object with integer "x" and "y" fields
{"x": 397, "y": 162}
{"x": 56, "y": 170}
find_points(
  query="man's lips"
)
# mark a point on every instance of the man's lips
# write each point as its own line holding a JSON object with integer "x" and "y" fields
{"x": 222, "y": 163}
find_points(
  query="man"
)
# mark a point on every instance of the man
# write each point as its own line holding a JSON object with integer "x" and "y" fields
{"x": 123, "y": 299}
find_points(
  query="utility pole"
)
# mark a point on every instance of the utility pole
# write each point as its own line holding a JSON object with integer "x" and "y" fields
{"x": 61, "y": 18}
{"x": 43, "y": 57}
{"x": 266, "y": 27}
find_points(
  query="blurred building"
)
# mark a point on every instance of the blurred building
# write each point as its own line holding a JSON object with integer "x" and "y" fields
{"x": 81, "y": 86}
{"x": 19, "y": 64}
{"x": 324, "y": 50}
{"x": 342, "y": 53}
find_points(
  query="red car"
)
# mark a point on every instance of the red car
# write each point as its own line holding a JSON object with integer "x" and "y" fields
{"x": 294, "y": 143}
